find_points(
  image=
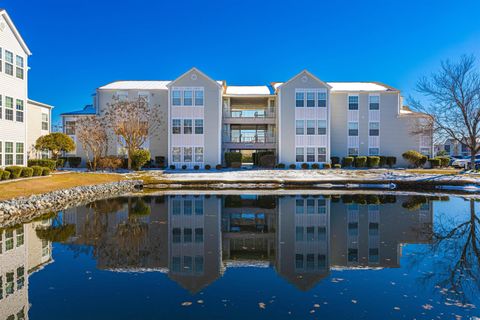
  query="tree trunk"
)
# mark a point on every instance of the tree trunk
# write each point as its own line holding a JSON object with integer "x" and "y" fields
{"x": 129, "y": 162}
{"x": 472, "y": 158}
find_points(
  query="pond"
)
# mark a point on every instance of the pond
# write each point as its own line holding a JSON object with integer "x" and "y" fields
{"x": 246, "y": 256}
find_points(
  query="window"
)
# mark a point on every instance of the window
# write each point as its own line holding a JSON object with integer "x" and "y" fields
{"x": 374, "y": 103}
{"x": 321, "y": 99}
{"x": 352, "y": 255}
{"x": 373, "y": 255}
{"x": 70, "y": 128}
{"x": 353, "y": 103}
{"x": 198, "y": 207}
{"x": 8, "y": 153}
{"x": 374, "y": 129}
{"x": 176, "y": 154}
{"x": 322, "y": 260}
{"x": 353, "y": 229}
{"x": 187, "y": 126}
{"x": 300, "y": 127}
{"x": 322, "y": 206}
{"x": 121, "y": 95}
{"x": 310, "y": 127}
{"x": 19, "y": 153}
{"x": 187, "y": 207}
{"x": 20, "y": 236}
{"x": 299, "y": 206}
{"x": 198, "y": 154}
{"x": 199, "y": 97}
{"x": 19, "y": 70}
{"x": 425, "y": 151}
{"x": 176, "y": 98}
{"x": 310, "y": 233}
{"x": 310, "y": 206}
{"x": 187, "y": 235}
{"x": 8, "y": 240}
{"x": 299, "y": 155}
{"x": 9, "y": 288}
{"x": 373, "y": 229}
{"x": 310, "y": 154}
{"x": 187, "y": 98}
{"x": 176, "y": 126}
{"x": 322, "y": 127}
{"x": 187, "y": 154}
{"x": 1, "y": 104}
{"x": 1, "y": 58}
{"x": 322, "y": 155}
{"x": 1, "y": 163}
{"x": 198, "y": 235}
{"x": 299, "y": 99}
{"x": 176, "y": 207}
{"x": 310, "y": 99}
{"x": 176, "y": 264}
{"x": 199, "y": 264}
{"x": 187, "y": 263}
{"x": 45, "y": 125}
{"x": 19, "y": 110}
{"x": 353, "y": 129}
{"x": 373, "y": 151}
{"x": 176, "y": 235}
{"x": 299, "y": 261}
{"x": 8, "y": 63}
{"x": 20, "y": 278}
{"x": 198, "y": 126}
{"x": 353, "y": 151}
{"x": 9, "y": 108}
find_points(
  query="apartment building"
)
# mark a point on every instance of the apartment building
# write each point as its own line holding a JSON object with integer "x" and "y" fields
{"x": 302, "y": 120}
{"x": 22, "y": 120}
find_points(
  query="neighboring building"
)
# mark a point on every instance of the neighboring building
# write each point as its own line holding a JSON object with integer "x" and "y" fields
{"x": 453, "y": 148}
{"x": 15, "y": 107}
{"x": 39, "y": 117}
{"x": 302, "y": 120}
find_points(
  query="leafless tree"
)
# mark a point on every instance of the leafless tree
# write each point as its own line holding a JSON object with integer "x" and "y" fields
{"x": 92, "y": 134}
{"x": 133, "y": 122}
{"x": 452, "y": 100}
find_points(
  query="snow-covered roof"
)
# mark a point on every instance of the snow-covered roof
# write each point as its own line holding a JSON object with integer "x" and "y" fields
{"x": 87, "y": 110}
{"x": 136, "y": 85}
{"x": 248, "y": 90}
{"x": 15, "y": 31}
{"x": 41, "y": 104}
{"x": 351, "y": 86}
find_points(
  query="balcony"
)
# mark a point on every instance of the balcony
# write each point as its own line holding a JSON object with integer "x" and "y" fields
{"x": 259, "y": 140}
{"x": 249, "y": 116}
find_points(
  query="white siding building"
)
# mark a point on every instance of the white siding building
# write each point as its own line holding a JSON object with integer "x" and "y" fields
{"x": 303, "y": 120}
{"x": 15, "y": 138}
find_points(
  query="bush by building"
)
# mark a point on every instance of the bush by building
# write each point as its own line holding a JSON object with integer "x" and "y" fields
{"x": 231, "y": 157}
{"x": 37, "y": 171}
{"x": 140, "y": 158}
{"x": 27, "y": 172}
{"x": 415, "y": 158}
{"x": 360, "y": 162}
{"x": 347, "y": 162}
{"x": 335, "y": 160}
{"x": 15, "y": 171}
{"x": 51, "y": 164}
{"x": 373, "y": 161}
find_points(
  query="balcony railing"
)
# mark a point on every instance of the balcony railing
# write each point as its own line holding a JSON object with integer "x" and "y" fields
{"x": 249, "y": 114}
{"x": 250, "y": 139}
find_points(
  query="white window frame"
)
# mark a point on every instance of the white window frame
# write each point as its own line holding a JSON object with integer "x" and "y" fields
{"x": 313, "y": 129}
{"x": 357, "y": 103}
{"x": 45, "y": 122}
{"x": 190, "y": 154}
{"x": 9, "y": 62}
{"x": 202, "y": 127}
{"x": 322, "y": 127}
{"x": 20, "y": 65}
{"x": 10, "y": 108}
{"x": 348, "y": 128}
{"x": 175, "y": 154}
{"x": 199, "y": 154}
{"x": 310, "y": 154}
{"x": 21, "y": 153}
{"x": 370, "y": 102}
{"x": 302, "y": 128}
{"x": 6, "y": 153}
{"x": 179, "y": 126}
{"x": 19, "y": 110}
{"x": 297, "y": 154}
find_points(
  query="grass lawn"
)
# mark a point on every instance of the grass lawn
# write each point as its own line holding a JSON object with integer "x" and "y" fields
{"x": 59, "y": 181}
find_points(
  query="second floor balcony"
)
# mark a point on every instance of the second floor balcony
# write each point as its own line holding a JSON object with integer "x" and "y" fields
{"x": 257, "y": 115}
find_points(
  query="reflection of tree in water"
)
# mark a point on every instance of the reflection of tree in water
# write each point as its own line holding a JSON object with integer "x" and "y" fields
{"x": 455, "y": 256}
{"x": 56, "y": 231}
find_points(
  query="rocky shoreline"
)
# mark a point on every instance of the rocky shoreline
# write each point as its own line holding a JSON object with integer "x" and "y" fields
{"x": 25, "y": 208}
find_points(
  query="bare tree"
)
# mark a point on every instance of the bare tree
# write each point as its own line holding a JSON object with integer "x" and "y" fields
{"x": 453, "y": 102}
{"x": 133, "y": 122}
{"x": 92, "y": 134}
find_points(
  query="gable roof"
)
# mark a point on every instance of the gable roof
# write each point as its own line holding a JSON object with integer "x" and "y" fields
{"x": 278, "y": 85}
{"x": 352, "y": 86}
{"x": 248, "y": 90}
{"x": 218, "y": 83}
{"x": 10, "y": 23}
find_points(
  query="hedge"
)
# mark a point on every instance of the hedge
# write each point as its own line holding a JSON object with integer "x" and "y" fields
{"x": 46, "y": 171}
{"x": 15, "y": 171}
{"x": 37, "y": 171}
{"x": 337, "y": 166}
{"x": 305, "y": 166}
{"x": 444, "y": 161}
{"x": 231, "y": 157}
{"x": 327, "y": 166}
{"x": 373, "y": 161}
{"x": 347, "y": 161}
{"x": 281, "y": 166}
{"x": 172, "y": 167}
{"x": 208, "y": 167}
{"x": 218, "y": 167}
{"x": 51, "y": 164}
{"x": 74, "y": 162}
{"x": 27, "y": 172}
{"x": 335, "y": 160}
{"x": 435, "y": 162}
{"x": 415, "y": 158}
{"x": 139, "y": 158}
{"x": 391, "y": 161}
{"x": 315, "y": 166}
{"x": 383, "y": 161}
{"x": 293, "y": 166}
{"x": 360, "y": 162}
{"x": 4, "y": 175}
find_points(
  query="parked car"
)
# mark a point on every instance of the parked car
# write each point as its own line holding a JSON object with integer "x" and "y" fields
{"x": 465, "y": 162}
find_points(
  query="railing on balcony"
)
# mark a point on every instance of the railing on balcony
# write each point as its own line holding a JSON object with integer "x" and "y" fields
{"x": 249, "y": 114}
{"x": 250, "y": 139}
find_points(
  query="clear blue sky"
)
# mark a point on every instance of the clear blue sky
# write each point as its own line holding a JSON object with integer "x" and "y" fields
{"x": 80, "y": 45}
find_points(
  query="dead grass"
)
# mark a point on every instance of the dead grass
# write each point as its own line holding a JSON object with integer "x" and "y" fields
{"x": 59, "y": 181}
{"x": 434, "y": 171}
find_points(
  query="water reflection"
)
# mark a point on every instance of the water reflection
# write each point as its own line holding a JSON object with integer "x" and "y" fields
{"x": 195, "y": 239}
{"x": 22, "y": 253}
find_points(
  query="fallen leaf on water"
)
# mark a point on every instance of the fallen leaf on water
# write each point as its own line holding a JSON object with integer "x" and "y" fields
{"x": 354, "y": 301}
{"x": 261, "y": 305}
{"x": 316, "y": 305}
{"x": 186, "y": 304}
{"x": 199, "y": 301}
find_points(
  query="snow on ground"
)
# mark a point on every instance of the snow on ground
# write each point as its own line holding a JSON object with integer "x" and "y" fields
{"x": 300, "y": 175}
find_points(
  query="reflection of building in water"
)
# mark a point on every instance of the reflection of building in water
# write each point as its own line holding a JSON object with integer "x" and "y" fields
{"x": 192, "y": 238}
{"x": 248, "y": 229}
{"x": 21, "y": 253}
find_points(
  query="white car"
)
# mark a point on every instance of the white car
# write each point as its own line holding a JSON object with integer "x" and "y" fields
{"x": 465, "y": 162}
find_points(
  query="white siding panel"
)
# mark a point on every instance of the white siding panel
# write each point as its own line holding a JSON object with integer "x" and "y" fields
{"x": 374, "y": 115}
{"x": 353, "y": 116}
{"x": 353, "y": 142}
{"x": 374, "y": 142}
